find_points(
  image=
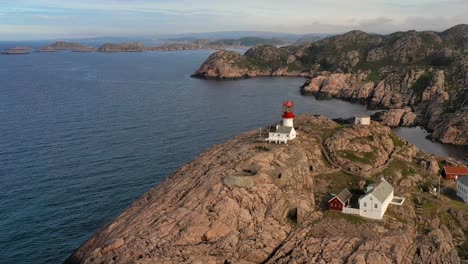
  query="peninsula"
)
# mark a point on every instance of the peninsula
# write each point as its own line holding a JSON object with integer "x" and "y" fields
{"x": 420, "y": 77}
{"x": 247, "y": 201}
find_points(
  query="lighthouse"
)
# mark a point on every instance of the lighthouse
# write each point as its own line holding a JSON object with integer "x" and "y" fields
{"x": 288, "y": 114}
{"x": 286, "y": 132}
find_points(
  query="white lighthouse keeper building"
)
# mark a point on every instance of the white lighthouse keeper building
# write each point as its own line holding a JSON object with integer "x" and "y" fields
{"x": 281, "y": 134}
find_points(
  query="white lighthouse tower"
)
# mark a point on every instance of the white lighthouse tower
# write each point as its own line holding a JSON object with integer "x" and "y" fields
{"x": 281, "y": 134}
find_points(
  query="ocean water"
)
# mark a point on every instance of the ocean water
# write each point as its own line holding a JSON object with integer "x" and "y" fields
{"x": 82, "y": 135}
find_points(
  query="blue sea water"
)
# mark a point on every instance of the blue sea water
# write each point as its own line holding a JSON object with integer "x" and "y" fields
{"x": 82, "y": 135}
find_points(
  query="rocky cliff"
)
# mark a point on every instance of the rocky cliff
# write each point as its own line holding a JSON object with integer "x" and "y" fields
{"x": 421, "y": 76}
{"x": 249, "y": 202}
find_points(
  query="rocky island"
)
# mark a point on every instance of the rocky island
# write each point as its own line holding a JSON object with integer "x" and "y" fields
{"x": 420, "y": 77}
{"x": 62, "y": 45}
{"x": 17, "y": 51}
{"x": 246, "y": 201}
{"x": 198, "y": 44}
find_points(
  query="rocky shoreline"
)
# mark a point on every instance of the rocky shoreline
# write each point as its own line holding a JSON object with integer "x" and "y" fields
{"x": 245, "y": 201}
{"x": 420, "y": 78}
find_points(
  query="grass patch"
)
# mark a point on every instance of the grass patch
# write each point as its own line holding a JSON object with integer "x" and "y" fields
{"x": 458, "y": 205}
{"x": 326, "y": 133}
{"x": 365, "y": 157}
{"x": 406, "y": 169}
{"x": 294, "y": 67}
{"x": 338, "y": 181}
{"x": 353, "y": 219}
{"x": 463, "y": 249}
{"x": 429, "y": 208}
{"x": 397, "y": 142}
{"x": 374, "y": 77}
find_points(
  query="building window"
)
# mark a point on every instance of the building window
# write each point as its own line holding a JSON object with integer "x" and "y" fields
{"x": 375, "y": 206}
{"x": 365, "y": 204}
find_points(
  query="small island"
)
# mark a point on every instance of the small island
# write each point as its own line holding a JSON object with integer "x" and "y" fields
{"x": 17, "y": 51}
{"x": 62, "y": 45}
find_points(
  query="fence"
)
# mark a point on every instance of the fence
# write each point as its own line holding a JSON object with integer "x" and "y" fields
{"x": 348, "y": 210}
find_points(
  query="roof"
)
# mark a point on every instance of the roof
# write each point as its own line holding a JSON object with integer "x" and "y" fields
{"x": 456, "y": 170}
{"x": 382, "y": 190}
{"x": 288, "y": 103}
{"x": 463, "y": 180}
{"x": 343, "y": 196}
{"x": 282, "y": 130}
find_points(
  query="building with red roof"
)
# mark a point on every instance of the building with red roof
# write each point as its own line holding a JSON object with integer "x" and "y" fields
{"x": 454, "y": 172}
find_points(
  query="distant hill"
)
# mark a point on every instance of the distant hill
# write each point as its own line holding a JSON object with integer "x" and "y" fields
{"x": 421, "y": 77}
{"x": 249, "y": 42}
{"x": 288, "y": 37}
{"x": 309, "y": 38}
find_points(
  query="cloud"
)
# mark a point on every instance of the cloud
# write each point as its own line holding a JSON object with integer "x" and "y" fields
{"x": 50, "y": 17}
{"x": 147, "y": 17}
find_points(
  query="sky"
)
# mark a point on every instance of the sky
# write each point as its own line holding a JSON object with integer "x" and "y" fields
{"x": 55, "y": 19}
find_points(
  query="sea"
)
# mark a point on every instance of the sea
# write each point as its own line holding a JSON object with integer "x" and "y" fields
{"x": 82, "y": 135}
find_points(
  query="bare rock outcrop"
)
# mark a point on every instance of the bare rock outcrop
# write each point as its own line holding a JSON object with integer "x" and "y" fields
{"x": 232, "y": 65}
{"x": 247, "y": 202}
{"x": 396, "y": 117}
{"x": 360, "y": 149}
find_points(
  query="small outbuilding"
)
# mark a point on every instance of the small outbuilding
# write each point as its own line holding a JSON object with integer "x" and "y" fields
{"x": 454, "y": 172}
{"x": 362, "y": 120}
{"x": 462, "y": 188}
{"x": 340, "y": 200}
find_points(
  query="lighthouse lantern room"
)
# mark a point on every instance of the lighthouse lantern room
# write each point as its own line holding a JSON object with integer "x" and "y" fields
{"x": 285, "y": 132}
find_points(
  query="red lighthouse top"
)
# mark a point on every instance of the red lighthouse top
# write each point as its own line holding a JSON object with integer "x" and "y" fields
{"x": 288, "y": 109}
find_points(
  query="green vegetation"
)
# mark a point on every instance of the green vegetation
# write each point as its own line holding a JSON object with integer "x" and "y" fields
{"x": 425, "y": 186}
{"x": 374, "y": 77}
{"x": 396, "y": 165}
{"x": 421, "y": 83}
{"x": 458, "y": 204}
{"x": 353, "y": 219}
{"x": 294, "y": 67}
{"x": 338, "y": 181}
{"x": 328, "y": 132}
{"x": 429, "y": 208}
{"x": 463, "y": 249}
{"x": 441, "y": 61}
{"x": 397, "y": 142}
{"x": 364, "y": 157}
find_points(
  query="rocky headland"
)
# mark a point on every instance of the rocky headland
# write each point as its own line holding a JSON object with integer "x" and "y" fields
{"x": 245, "y": 201}
{"x": 421, "y": 78}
